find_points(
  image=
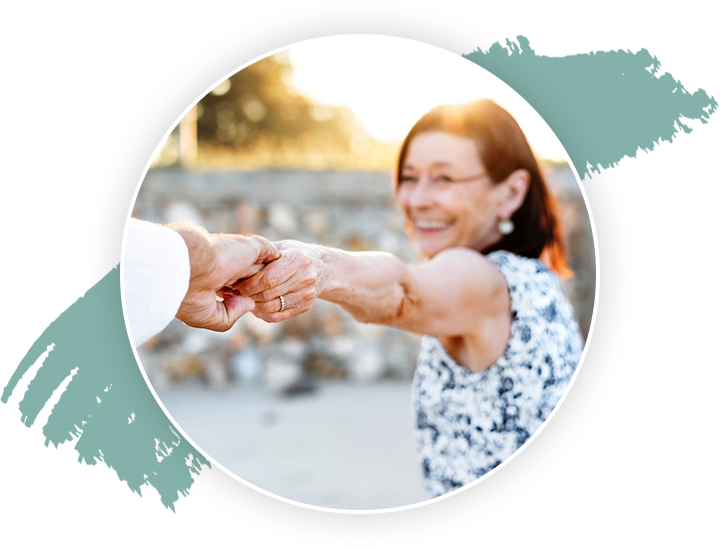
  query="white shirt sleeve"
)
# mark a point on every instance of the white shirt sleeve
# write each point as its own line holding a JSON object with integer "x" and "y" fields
{"x": 156, "y": 277}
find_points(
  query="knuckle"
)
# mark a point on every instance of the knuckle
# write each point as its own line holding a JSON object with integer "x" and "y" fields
{"x": 269, "y": 280}
{"x": 264, "y": 296}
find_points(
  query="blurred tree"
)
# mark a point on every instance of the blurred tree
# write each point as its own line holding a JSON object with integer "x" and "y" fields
{"x": 257, "y": 109}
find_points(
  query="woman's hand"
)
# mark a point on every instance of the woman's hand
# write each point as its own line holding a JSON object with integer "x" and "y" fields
{"x": 295, "y": 277}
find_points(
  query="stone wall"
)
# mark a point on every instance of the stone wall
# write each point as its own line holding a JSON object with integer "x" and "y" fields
{"x": 349, "y": 210}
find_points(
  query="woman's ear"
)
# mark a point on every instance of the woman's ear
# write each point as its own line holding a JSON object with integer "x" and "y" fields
{"x": 517, "y": 184}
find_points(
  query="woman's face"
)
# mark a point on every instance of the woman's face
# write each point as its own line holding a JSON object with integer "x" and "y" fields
{"x": 446, "y": 196}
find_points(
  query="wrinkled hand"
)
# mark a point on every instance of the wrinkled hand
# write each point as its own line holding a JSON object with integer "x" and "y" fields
{"x": 295, "y": 276}
{"x": 218, "y": 261}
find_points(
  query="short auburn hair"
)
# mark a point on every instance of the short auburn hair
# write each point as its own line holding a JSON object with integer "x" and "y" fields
{"x": 503, "y": 148}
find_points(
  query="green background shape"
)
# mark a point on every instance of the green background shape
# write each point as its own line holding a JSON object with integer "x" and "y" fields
{"x": 79, "y": 468}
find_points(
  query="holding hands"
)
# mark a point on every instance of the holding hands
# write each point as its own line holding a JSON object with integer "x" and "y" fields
{"x": 288, "y": 286}
{"x": 231, "y": 275}
{"x": 218, "y": 261}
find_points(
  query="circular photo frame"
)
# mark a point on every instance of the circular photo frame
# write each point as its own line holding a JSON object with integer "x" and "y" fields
{"x": 402, "y": 260}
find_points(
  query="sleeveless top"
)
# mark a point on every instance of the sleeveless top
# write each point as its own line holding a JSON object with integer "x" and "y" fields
{"x": 468, "y": 423}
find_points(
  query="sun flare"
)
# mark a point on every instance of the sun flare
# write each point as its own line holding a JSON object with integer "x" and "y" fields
{"x": 389, "y": 86}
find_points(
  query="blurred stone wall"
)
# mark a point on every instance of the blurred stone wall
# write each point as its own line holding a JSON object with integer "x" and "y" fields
{"x": 349, "y": 210}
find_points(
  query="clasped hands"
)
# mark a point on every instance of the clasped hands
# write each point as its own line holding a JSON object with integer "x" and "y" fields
{"x": 231, "y": 275}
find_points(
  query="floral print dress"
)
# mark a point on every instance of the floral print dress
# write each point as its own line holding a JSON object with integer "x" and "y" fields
{"x": 468, "y": 423}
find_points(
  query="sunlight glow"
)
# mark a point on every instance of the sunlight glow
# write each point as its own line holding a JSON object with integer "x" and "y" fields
{"x": 390, "y": 82}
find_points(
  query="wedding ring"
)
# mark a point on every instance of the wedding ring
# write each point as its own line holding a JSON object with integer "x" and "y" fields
{"x": 282, "y": 303}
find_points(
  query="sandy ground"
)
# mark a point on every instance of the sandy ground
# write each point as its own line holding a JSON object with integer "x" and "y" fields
{"x": 343, "y": 446}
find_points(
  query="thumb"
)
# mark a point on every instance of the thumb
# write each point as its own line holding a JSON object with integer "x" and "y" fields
{"x": 236, "y": 306}
{"x": 267, "y": 252}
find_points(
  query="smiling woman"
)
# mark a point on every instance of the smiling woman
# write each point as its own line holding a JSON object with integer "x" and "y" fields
{"x": 443, "y": 204}
{"x": 501, "y": 341}
{"x": 480, "y": 137}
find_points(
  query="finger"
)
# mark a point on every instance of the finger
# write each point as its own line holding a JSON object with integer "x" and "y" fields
{"x": 266, "y": 251}
{"x": 293, "y": 285}
{"x": 300, "y": 301}
{"x": 272, "y": 275}
{"x": 236, "y": 255}
{"x": 299, "y": 304}
{"x": 248, "y": 273}
{"x": 274, "y": 305}
{"x": 225, "y": 293}
{"x": 279, "y": 316}
{"x": 283, "y": 244}
{"x": 231, "y": 309}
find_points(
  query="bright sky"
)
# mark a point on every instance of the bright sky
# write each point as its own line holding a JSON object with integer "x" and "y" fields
{"x": 390, "y": 82}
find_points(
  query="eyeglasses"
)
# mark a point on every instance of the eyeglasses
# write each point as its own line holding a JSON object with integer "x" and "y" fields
{"x": 441, "y": 179}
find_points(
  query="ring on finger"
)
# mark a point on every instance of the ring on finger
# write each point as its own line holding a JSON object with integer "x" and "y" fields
{"x": 282, "y": 303}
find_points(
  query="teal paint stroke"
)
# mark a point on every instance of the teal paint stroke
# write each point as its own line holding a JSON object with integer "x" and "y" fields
{"x": 77, "y": 465}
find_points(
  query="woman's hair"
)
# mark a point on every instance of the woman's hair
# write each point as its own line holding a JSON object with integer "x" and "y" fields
{"x": 503, "y": 148}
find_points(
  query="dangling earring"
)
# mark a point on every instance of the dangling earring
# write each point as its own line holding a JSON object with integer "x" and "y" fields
{"x": 506, "y": 226}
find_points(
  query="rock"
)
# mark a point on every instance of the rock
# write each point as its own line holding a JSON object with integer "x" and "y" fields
{"x": 330, "y": 322}
{"x": 316, "y": 221}
{"x": 367, "y": 363}
{"x": 183, "y": 366}
{"x": 358, "y": 243}
{"x": 280, "y": 373}
{"x": 247, "y": 364}
{"x": 369, "y": 331}
{"x": 239, "y": 339}
{"x": 292, "y": 348}
{"x": 216, "y": 373}
{"x": 264, "y": 333}
{"x": 400, "y": 357}
{"x": 302, "y": 386}
{"x": 281, "y": 218}
{"x": 300, "y": 327}
{"x": 249, "y": 218}
{"x": 343, "y": 348}
{"x": 182, "y": 211}
{"x": 323, "y": 365}
{"x": 199, "y": 341}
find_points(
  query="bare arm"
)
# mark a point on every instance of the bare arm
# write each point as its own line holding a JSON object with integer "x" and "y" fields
{"x": 456, "y": 293}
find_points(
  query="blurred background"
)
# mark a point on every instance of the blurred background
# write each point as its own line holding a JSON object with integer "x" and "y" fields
{"x": 301, "y": 145}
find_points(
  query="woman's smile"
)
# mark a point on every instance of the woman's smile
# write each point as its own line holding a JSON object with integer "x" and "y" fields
{"x": 429, "y": 227}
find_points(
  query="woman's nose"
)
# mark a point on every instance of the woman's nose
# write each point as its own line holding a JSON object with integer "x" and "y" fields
{"x": 422, "y": 193}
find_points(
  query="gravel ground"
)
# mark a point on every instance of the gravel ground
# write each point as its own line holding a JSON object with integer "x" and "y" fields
{"x": 346, "y": 446}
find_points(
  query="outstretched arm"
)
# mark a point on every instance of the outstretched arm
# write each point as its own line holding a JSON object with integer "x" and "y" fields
{"x": 458, "y": 292}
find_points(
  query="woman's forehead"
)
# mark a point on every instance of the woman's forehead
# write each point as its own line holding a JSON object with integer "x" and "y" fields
{"x": 441, "y": 149}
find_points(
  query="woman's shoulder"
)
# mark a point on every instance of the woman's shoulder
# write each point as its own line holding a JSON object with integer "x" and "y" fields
{"x": 507, "y": 260}
{"x": 530, "y": 282}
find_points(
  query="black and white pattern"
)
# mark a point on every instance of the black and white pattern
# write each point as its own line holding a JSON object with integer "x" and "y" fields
{"x": 468, "y": 423}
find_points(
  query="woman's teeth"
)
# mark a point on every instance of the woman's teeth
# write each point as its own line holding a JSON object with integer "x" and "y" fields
{"x": 429, "y": 225}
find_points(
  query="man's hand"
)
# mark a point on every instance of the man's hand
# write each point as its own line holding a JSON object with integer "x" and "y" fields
{"x": 218, "y": 261}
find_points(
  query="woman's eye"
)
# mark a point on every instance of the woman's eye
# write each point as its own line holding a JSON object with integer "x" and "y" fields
{"x": 408, "y": 179}
{"x": 444, "y": 179}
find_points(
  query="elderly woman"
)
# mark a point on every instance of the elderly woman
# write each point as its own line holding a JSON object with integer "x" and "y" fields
{"x": 501, "y": 341}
